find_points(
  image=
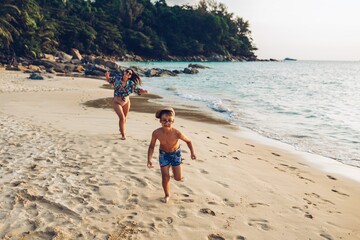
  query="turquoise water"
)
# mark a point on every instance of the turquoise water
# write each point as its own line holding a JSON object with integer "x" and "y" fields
{"x": 314, "y": 106}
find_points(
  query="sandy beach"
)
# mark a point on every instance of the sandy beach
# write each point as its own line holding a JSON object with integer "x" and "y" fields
{"x": 65, "y": 174}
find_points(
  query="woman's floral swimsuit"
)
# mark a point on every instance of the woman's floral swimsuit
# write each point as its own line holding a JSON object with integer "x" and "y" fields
{"x": 124, "y": 91}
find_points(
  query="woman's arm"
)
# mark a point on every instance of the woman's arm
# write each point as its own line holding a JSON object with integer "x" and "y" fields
{"x": 107, "y": 76}
{"x": 143, "y": 91}
{"x": 138, "y": 90}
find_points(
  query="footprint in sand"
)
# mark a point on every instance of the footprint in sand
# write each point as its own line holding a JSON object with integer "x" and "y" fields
{"x": 259, "y": 223}
{"x": 169, "y": 220}
{"x": 331, "y": 177}
{"x": 254, "y": 205}
{"x": 240, "y": 238}
{"x": 215, "y": 237}
{"x": 289, "y": 167}
{"x": 132, "y": 215}
{"x": 224, "y": 143}
{"x": 225, "y": 137}
{"x": 306, "y": 214}
{"x": 276, "y": 154}
{"x": 207, "y": 211}
{"x": 343, "y": 194}
{"x": 304, "y": 178}
{"x": 326, "y": 236}
{"x": 204, "y": 171}
{"x": 281, "y": 170}
{"x": 139, "y": 182}
{"x": 223, "y": 184}
{"x": 247, "y": 144}
{"x": 229, "y": 203}
{"x": 182, "y": 213}
{"x": 261, "y": 159}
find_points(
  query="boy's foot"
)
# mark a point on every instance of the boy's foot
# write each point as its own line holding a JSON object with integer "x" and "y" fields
{"x": 166, "y": 199}
{"x": 123, "y": 138}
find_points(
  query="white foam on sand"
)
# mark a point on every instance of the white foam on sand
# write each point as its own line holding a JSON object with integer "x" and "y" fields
{"x": 323, "y": 163}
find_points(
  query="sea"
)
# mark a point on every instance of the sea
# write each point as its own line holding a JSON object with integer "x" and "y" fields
{"x": 313, "y": 106}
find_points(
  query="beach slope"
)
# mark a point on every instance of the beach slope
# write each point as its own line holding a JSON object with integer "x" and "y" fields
{"x": 65, "y": 174}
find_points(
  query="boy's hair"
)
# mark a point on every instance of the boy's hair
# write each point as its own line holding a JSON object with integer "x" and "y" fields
{"x": 165, "y": 110}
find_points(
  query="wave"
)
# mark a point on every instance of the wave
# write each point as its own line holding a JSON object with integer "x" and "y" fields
{"x": 215, "y": 104}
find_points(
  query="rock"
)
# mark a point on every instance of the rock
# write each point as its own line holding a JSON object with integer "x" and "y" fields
{"x": 100, "y": 68}
{"x": 63, "y": 56}
{"x": 79, "y": 68}
{"x": 22, "y": 68}
{"x": 197, "y": 66}
{"x": 76, "y": 61}
{"x": 50, "y": 70}
{"x": 49, "y": 57}
{"x": 34, "y": 68}
{"x": 157, "y": 72}
{"x": 138, "y": 59}
{"x": 191, "y": 70}
{"x": 12, "y": 68}
{"x": 99, "y": 61}
{"x": 111, "y": 65}
{"x": 68, "y": 68}
{"x": 36, "y": 76}
{"x": 76, "y": 54}
{"x": 93, "y": 72}
{"x": 216, "y": 58}
{"x": 89, "y": 59}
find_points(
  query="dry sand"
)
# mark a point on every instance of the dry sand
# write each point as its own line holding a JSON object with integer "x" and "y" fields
{"x": 65, "y": 174}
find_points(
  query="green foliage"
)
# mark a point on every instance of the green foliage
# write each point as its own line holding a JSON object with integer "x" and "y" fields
{"x": 8, "y": 14}
{"x": 115, "y": 27}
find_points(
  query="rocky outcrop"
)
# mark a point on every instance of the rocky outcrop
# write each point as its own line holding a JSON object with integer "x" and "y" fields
{"x": 75, "y": 64}
{"x": 191, "y": 70}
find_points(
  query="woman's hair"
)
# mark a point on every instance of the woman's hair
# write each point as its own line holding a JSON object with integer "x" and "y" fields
{"x": 135, "y": 77}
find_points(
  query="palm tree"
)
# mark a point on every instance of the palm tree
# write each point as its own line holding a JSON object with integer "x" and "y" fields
{"x": 8, "y": 13}
{"x": 243, "y": 27}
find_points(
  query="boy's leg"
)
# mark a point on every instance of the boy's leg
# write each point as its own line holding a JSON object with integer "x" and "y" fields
{"x": 177, "y": 171}
{"x": 165, "y": 174}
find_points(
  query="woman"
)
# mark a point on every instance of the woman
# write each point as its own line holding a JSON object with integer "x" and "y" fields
{"x": 124, "y": 84}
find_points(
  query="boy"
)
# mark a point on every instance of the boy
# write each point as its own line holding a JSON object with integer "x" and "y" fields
{"x": 169, "y": 151}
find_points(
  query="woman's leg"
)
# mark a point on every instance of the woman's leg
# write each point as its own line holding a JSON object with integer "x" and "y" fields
{"x": 119, "y": 111}
{"x": 126, "y": 109}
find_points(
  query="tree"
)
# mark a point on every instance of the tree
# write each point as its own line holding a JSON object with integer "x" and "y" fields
{"x": 8, "y": 14}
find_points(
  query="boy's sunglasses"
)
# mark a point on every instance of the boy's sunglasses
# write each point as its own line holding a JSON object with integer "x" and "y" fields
{"x": 167, "y": 121}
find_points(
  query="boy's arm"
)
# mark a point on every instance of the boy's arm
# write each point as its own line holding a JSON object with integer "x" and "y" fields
{"x": 189, "y": 144}
{"x": 151, "y": 150}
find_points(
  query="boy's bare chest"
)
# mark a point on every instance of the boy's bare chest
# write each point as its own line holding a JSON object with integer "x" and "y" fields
{"x": 168, "y": 139}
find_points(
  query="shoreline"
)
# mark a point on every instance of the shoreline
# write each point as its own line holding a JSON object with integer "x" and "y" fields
{"x": 65, "y": 173}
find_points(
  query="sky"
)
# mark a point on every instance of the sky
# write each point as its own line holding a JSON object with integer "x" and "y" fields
{"x": 300, "y": 29}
